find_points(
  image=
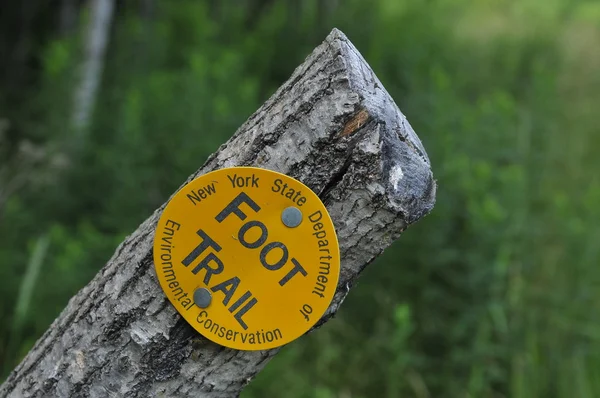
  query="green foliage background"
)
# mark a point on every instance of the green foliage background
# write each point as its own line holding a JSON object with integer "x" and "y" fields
{"x": 495, "y": 294}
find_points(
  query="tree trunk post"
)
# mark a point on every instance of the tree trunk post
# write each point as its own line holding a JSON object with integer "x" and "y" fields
{"x": 331, "y": 126}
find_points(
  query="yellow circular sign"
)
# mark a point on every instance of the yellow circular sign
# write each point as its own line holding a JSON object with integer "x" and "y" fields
{"x": 249, "y": 257}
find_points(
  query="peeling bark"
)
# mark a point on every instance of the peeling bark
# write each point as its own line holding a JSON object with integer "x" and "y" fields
{"x": 332, "y": 126}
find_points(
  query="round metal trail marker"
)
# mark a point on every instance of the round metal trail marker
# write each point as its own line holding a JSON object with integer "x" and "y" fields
{"x": 248, "y": 256}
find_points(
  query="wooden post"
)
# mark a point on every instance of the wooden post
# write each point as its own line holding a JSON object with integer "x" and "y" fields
{"x": 332, "y": 126}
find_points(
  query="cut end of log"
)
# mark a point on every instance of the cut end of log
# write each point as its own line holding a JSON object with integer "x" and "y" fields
{"x": 406, "y": 173}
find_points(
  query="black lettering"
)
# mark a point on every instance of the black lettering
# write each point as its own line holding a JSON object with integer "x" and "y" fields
{"x": 232, "y": 180}
{"x": 259, "y": 242}
{"x": 169, "y": 274}
{"x": 202, "y": 193}
{"x": 193, "y": 196}
{"x": 210, "y": 189}
{"x": 267, "y": 249}
{"x": 298, "y": 193}
{"x": 305, "y": 311}
{"x": 173, "y": 224}
{"x": 320, "y": 234}
{"x": 205, "y": 244}
{"x": 319, "y": 287}
{"x": 316, "y": 216}
{"x": 234, "y": 207}
{"x": 240, "y": 301}
{"x": 238, "y": 316}
{"x": 297, "y": 268}
{"x": 184, "y": 295}
{"x": 228, "y": 288}
{"x": 204, "y": 264}
{"x": 200, "y": 315}
{"x": 277, "y": 185}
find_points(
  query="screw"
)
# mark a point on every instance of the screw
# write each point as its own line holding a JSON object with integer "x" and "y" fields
{"x": 291, "y": 217}
{"x": 202, "y": 297}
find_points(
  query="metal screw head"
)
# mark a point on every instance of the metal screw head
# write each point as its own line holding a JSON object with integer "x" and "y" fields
{"x": 291, "y": 217}
{"x": 202, "y": 297}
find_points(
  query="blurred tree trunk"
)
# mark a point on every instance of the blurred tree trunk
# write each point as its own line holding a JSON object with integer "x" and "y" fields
{"x": 333, "y": 127}
{"x": 96, "y": 39}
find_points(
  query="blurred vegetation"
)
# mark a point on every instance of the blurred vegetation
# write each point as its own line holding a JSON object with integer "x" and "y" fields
{"x": 495, "y": 294}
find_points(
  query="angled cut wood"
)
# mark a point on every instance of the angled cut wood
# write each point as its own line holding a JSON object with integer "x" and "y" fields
{"x": 332, "y": 126}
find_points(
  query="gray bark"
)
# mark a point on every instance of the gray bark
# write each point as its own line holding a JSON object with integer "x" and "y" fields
{"x": 332, "y": 126}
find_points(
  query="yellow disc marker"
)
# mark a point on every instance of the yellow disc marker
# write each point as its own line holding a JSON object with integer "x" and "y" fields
{"x": 249, "y": 257}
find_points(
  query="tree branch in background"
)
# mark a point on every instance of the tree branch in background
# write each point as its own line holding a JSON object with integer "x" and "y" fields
{"x": 96, "y": 39}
